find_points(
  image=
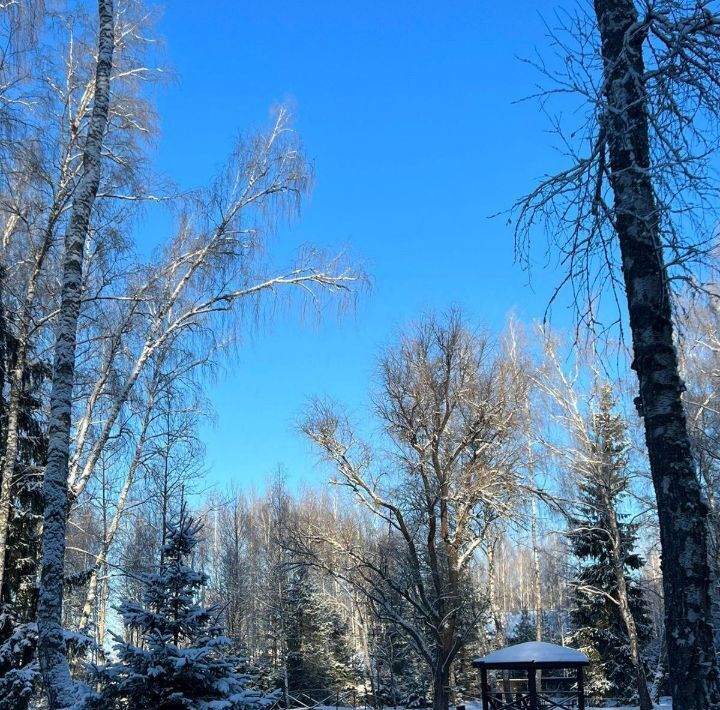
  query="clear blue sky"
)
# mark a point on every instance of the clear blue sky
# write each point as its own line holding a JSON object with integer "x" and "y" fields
{"x": 406, "y": 109}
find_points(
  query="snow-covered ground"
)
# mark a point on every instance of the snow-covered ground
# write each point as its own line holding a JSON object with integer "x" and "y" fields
{"x": 664, "y": 704}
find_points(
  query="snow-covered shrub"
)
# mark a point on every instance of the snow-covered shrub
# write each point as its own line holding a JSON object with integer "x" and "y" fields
{"x": 19, "y": 672}
{"x": 181, "y": 658}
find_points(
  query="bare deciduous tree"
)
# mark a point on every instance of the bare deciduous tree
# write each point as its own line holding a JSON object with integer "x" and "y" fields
{"x": 449, "y": 403}
{"x": 212, "y": 268}
{"x": 41, "y": 174}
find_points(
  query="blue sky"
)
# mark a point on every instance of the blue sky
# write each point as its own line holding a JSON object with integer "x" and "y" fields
{"x": 406, "y": 110}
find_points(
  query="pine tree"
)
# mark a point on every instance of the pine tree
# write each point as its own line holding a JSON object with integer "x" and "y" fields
{"x": 182, "y": 659}
{"x": 599, "y": 626}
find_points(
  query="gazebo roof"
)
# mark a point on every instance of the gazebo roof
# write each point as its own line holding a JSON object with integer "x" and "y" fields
{"x": 533, "y": 654}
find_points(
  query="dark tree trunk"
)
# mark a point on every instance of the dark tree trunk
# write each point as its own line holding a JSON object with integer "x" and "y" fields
{"x": 681, "y": 510}
{"x": 441, "y": 681}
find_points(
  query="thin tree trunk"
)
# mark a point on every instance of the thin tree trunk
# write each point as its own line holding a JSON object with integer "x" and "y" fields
{"x": 101, "y": 557}
{"x": 500, "y": 638}
{"x": 537, "y": 589}
{"x": 51, "y": 641}
{"x": 367, "y": 663}
{"x": 283, "y": 646}
{"x": 23, "y": 344}
{"x": 102, "y": 615}
{"x": 8, "y": 463}
{"x": 713, "y": 534}
{"x": 391, "y": 668}
{"x": 624, "y": 603}
{"x": 681, "y": 510}
{"x": 111, "y": 531}
{"x": 641, "y": 681}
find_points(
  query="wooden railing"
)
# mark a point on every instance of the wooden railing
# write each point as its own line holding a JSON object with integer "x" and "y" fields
{"x": 561, "y": 699}
{"x": 317, "y": 699}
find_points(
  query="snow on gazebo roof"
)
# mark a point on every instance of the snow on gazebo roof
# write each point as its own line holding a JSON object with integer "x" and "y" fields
{"x": 533, "y": 653}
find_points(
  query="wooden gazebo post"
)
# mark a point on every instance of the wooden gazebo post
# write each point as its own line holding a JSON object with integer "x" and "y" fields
{"x": 532, "y": 688}
{"x": 484, "y": 687}
{"x": 581, "y": 688}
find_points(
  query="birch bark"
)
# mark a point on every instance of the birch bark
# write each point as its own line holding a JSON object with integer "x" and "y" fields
{"x": 645, "y": 702}
{"x": 537, "y": 587}
{"x": 51, "y": 641}
{"x": 500, "y": 639}
{"x": 101, "y": 557}
{"x": 25, "y": 328}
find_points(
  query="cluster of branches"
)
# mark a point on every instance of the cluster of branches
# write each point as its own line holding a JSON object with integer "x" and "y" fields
{"x": 107, "y": 344}
{"x": 463, "y": 522}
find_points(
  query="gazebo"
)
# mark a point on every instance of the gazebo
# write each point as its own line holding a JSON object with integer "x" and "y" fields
{"x": 532, "y": 657}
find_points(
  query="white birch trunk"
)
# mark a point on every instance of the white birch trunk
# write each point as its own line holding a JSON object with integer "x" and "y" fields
{"x": 51, "y": 641}
{"x": 101, "y": 557}
{"x": 537, "y": 588}
{"x": 645, "y": 702}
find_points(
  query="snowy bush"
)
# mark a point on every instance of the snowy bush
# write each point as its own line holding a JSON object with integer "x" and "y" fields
{"x": 19, "y": 673}
{"x": 182, "y": 657}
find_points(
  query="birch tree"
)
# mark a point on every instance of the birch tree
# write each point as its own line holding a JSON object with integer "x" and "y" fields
{"x": 42, "y": 171}
{"x": 592, "y": 446}
{"x": 51, "y": 641}
{"x": 208, "y": 280}
{"x": 636, "y": 208}
{"x": 142, "y": 459}
{"x": 210, "y": 269}
{"x": 523, "y": 363}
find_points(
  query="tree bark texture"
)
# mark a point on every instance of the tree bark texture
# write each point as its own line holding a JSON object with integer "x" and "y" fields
{"x": 682, "y": 512}
{"x": 51, "y": 641}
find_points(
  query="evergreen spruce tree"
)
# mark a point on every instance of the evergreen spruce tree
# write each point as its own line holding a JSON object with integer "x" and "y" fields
{"x": 465, "y": 680}
{"x": 19, "y": 673}
{"x": 477, "y": 619}
{"x": 399, "y": 677}
{"x": 525, "y": 629}
{"x": 182, "y": 659}
{"x": 599, "y": 628}
{"x": 413, "y": 682}
{"x": 318, "y": 654}
{"x": 22, "y": 560}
